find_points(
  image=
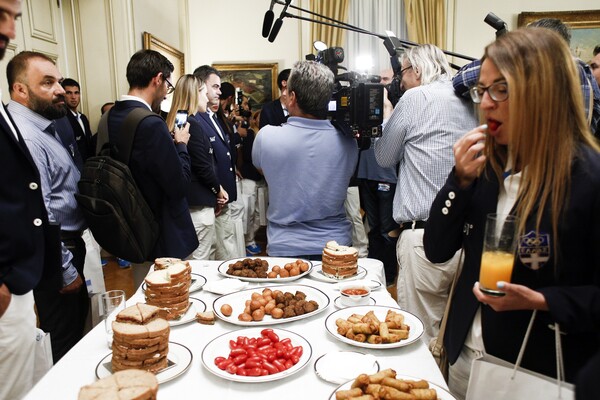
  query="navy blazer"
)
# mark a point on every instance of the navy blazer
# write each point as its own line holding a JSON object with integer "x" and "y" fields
{"x": 205, "y": 185}
{"x": 161, "y": 170}
{"x": 25, "y": 237}
{"x": 83, "y": 137}
{"x": 222, "y": 154}
{"x": 457, "y": 218}
{"x": 272, "y": 114}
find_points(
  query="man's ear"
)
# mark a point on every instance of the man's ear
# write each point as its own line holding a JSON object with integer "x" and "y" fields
{"x": 157, "y": 79}
{"x": 19, "y": 91}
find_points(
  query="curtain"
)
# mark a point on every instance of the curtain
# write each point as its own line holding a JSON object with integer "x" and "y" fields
{"x": 376, "y": 16}
{"x": 426, "y": 21}
{"x": 336, "y": 9}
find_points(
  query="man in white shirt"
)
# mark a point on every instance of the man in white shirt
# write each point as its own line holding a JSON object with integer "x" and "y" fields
{"x": 79, "y": 122}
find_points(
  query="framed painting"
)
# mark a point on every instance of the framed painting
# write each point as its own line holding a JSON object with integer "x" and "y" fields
{"x": 176, "y": 57}
{"x": 258, "y": 81}
{"x": 585, "y": 28}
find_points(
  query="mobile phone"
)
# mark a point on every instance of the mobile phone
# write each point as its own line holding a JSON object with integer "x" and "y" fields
{"x": 181, "y": 118}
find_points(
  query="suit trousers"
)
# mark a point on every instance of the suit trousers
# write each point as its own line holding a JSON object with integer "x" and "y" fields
{"x": 423, "y": 286}
{"x": 17, "y": 347}
{"x": 359, "y": 235}
{"x": 203, "y": 219}
{"x": 64, "y": 315}
{"x": 224, "y": 248}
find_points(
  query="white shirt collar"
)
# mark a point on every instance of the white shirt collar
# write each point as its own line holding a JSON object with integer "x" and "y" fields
{"x": 135, "y": 98}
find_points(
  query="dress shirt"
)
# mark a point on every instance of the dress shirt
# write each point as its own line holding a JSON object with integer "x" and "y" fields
{"x": 5, "y": 117}
{"x": 215, "y": 122}
{"x": 419, "y": 135}
{"x": 77, "y": 116}
{"x": 58, "y": 173}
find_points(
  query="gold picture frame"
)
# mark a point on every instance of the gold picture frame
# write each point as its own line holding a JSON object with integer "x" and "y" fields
{"x": 585, "y": 28}
{"x": 257, "y": 80}
{"x": 176, "y": 57}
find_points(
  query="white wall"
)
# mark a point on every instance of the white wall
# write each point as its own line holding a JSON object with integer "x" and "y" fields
{"x": 468, "y": 34}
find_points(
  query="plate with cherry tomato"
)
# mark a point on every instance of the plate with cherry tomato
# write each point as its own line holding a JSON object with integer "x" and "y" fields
{"x": 255, "y": 355}
{"x": 266, "y": 269}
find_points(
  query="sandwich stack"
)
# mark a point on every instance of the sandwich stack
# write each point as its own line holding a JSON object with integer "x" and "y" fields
{"x": 169, "y": 287}
{"x": 130, "y": 384}
{"x": 339, "y": 262}
{"x": 140, "y": 339}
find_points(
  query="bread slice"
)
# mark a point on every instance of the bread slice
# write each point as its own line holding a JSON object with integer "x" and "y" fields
{"x": 129, "y": 384}
{"x": 164, "y": 262}
{"x": 206, "y": 318}
{"x": 139, "y": 313}
{"x": 157, "y": 327}
{"x": 173, "y": 274}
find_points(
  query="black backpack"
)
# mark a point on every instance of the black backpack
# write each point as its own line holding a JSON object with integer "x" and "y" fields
{"x": 114, "y": 208}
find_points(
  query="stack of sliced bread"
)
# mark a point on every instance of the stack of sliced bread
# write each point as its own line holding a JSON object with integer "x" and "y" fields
{"x": 338, "y": 261}
{"x": 131, "y": 384}
{"x": 169, "y": 288}
{"x": 140, "y": 339}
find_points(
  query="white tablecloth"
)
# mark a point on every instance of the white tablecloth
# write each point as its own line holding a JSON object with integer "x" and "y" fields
{"x": 77, "y": 368}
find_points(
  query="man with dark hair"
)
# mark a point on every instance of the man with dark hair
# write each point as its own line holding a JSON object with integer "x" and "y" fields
{"x": 217, "y": 133}
{"x": 595, "y": 64}
{"x": 79, "y": 122}
{"x": 37, "y": 98}
{"x": 25, "y": 241}
{"x": 307, "y": 164}
{"x": 467, "y": 76}
{"x": 159, "y": 162}
{"x": 275, "y": 112}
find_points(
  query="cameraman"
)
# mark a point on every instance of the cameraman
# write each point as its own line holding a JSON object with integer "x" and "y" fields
{"x": 307, "y": 164}
{"x": 426, "y": 122}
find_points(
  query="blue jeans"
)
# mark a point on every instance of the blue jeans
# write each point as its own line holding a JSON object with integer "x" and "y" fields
{"x": 377, "y": 202}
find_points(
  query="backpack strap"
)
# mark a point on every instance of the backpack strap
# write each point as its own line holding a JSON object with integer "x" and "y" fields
{"x": 128, "y": 129}
{"x": 102, "y": 135}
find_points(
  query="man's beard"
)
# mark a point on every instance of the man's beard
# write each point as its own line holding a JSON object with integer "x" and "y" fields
{"x": 47, "y": 109}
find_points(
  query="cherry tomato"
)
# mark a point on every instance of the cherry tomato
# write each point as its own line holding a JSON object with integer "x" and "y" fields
{"x": 253, "y": 371}
{"x": 232, "y": 369}
{"x": 294, "y": 359}
{"x": 240, "y": 359}
{"x": 262, "y": 342}
{"x": 237, "y": 352}
{"x": 272, "y": 369}
{"x": 241, "y": 372}
{"x": 297, "y": 351}
{"x": 280, "y": 365}
{"x": 219, "y": 360}
{"x": 254, "y": 362}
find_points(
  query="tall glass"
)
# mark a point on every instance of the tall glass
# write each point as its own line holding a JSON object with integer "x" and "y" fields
{"x": 499, "y": 246}
{"x": 113, "y": 302}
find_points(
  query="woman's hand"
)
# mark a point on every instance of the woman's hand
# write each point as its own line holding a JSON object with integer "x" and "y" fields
{"x": 467, "y": 155}
{"x": 517, "y": 297}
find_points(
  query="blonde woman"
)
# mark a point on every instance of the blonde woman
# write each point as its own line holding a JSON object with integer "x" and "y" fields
{"x": 539, "y": 162}
{"x": 205, "y": 195}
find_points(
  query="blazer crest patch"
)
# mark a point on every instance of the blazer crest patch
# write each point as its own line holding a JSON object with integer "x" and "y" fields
{"x": 534, "y": 250}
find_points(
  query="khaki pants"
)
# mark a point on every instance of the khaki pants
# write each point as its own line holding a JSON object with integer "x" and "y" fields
{"x": 203, "y": 219}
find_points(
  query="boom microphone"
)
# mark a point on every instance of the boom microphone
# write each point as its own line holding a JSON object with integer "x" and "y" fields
{"x": 268, "y": 21}
{"x": 279, "y": 22}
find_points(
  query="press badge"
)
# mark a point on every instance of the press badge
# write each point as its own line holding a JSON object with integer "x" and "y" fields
{"x": 383, "y": 187}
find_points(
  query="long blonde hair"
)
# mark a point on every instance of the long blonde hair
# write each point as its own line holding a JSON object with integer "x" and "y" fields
{"x": 547, "y": 120}
{"x": 185, "y": 97}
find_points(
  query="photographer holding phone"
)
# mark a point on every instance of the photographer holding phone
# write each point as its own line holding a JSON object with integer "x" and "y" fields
{"x": 205, "y": 195}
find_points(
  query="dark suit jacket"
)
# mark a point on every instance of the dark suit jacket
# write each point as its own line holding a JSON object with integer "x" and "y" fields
{"x": 272, "y": 114}
{"x": 67, "y": 137}
{"x": 25, "y": 240}
{"x": 161, "y": 170}
{"x": 82, "y": 137}
{"x": 204, "y": 186}
{"x": 222, "y": 154}
{"x": 458, "y": 216}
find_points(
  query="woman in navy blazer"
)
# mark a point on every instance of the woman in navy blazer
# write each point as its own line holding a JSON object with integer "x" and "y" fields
{"x": 535, "y": 158}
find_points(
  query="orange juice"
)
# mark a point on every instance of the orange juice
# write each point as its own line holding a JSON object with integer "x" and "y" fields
{"x": 495, "y": 266}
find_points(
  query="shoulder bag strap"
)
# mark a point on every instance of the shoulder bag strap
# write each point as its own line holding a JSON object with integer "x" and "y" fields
{"x": 102, "y": 135}
{"x": 440, "y": 338}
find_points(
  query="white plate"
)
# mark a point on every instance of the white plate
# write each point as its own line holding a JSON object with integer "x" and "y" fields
{"x": 225, "y": 286}
{"x": 442, "y": 394}
{"x": 180, "y": 359}
{"x": 340, "y": 366}
{"x": 416, "y": 326}
{"x": 338, "y": 302}
{"x": 219, "y": 347}
{"x": 273, "y": 261}
{"x": 318, "y": 274}
{"x": 237, "y": 301}
{"x": 197, "y": 282}
{"x": 196, "y": 306}
{"x": 371, "y": 283}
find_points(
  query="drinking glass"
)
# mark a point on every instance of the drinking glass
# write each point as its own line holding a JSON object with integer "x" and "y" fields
{"x": 499, "y": 246}
{"x": 113, "y": 302}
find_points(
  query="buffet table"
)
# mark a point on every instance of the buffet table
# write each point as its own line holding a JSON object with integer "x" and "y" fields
{"x": 77, "y": 368}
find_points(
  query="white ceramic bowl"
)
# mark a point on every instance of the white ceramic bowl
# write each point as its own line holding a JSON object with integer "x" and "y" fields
{"x": 354, "y": 295}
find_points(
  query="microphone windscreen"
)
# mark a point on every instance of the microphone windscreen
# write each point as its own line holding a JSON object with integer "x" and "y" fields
{"x": 275, "y": 30}
{"x": 269, "y": 16}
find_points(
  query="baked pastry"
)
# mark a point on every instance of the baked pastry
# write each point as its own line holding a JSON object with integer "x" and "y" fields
{"x": 206, "y": 318}
{"x": 140, "y": 339}
{"x": 338, "y": 261}
{"x": 169, "y": 289}
{"x": 130, "y": 384}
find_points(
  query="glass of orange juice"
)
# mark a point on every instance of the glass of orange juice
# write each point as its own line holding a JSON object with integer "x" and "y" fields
{"x": 499, "y": 245}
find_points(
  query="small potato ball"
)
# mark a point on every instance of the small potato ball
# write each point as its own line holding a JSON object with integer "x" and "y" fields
{"x": 245, "y": 317}
{"x": 226, "y": 310}
{"x": 258, "y": 315}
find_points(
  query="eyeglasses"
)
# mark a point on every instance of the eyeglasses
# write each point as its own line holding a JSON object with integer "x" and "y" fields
{"x": 498, "y": 92}
{"x": 404, "y": 69}
{"x": 170, "y": 87}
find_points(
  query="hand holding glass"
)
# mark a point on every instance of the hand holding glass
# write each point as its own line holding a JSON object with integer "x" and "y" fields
{"x": 499, "y": 246}
{"x": 113, "y": 302}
